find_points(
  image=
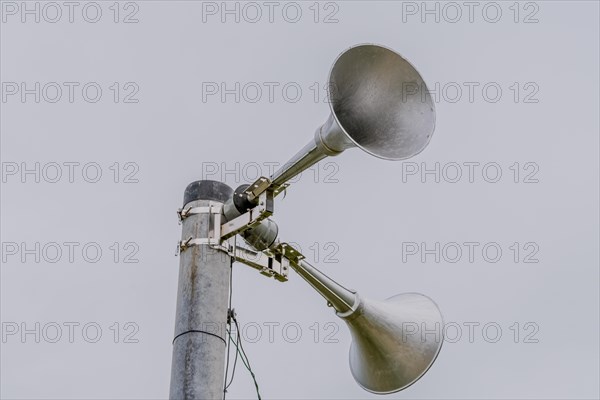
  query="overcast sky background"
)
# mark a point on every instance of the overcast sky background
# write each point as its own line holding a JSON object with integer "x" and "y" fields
{"x": 358, "y": 211}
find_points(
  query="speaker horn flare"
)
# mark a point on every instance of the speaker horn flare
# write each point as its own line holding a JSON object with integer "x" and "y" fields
{"x": 394, "y": 342}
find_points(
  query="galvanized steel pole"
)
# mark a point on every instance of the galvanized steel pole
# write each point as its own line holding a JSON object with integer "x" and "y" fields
{"x": 197, "y": 370}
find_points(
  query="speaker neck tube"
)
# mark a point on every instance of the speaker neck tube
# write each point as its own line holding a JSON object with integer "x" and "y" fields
{"x": 329, "y": 140}
{"x": 343, "y": 300}
{"x": 308, "y": 156}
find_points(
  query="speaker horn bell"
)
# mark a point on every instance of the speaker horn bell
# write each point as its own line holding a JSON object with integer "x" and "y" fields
{"x": 394, "y": 342}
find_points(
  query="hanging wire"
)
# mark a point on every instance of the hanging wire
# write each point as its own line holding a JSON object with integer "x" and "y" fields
{"x": 237, "y": 342}
{"x": 244, "y": 357}
{"x": 229, "y": 312}
{"x": 234, "y": 365}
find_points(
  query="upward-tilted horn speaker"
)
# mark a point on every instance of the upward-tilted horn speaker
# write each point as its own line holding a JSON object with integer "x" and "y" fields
{"x": 379, "y": 103}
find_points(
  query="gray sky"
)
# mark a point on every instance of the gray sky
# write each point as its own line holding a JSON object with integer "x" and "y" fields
{"x": 516, "y": 94}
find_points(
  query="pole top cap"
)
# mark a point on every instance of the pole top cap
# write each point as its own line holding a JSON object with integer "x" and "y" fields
{"x": 207, "y": 190}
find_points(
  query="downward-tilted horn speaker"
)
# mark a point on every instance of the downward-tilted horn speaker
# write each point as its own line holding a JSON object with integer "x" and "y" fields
{"x": 394, "y": 342}
{"x": 379, "y": 103}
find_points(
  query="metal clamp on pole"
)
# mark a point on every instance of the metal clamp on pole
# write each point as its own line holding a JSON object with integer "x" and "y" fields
{"x": 214, "y": 234}
{"x": 183, "y": 213}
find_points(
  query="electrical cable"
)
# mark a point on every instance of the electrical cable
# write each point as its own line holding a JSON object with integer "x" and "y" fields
{"x": 234, "y": 365}
{"x": 240, "y": 351}
{"x": 247, "y": 362}
{"x": 225, "y": 386}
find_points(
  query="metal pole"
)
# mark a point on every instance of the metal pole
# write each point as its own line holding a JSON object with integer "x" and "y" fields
{"x": 197, "y": 370}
